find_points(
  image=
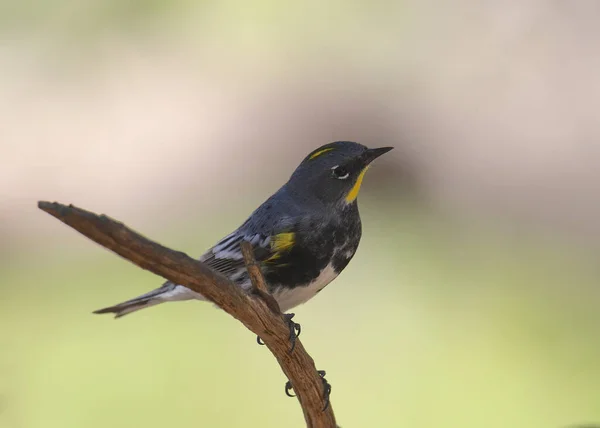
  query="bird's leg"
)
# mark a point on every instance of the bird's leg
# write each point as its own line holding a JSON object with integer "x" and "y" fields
{"x": 295, "y": 330}
{"x": 326, "y": 389}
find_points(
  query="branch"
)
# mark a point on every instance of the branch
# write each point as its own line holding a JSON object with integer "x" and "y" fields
{"x": 259, "y": 285}
{"x": 257, "y": 315}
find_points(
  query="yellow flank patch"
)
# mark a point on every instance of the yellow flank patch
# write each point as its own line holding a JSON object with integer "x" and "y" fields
{"x": 320, "y": 152}
{"x": 280, "y": 243}
{"x": 353, "y": 193}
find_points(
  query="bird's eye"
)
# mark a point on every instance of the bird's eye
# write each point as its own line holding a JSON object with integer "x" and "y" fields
{"x": 340, "y": 172}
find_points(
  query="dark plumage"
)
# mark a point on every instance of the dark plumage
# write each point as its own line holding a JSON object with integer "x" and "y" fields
{"x": 304, "y": 235}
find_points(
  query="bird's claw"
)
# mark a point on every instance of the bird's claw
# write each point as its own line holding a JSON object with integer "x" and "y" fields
{"x": 326, "y": 389}
{"x": 288, "y": 388}
{"x": 295, "y": 330}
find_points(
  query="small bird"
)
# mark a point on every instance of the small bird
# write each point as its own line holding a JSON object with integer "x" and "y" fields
{"x": 303, "y": 236}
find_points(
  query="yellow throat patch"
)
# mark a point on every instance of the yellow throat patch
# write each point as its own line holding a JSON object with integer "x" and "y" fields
{"x": 353, "y": 193}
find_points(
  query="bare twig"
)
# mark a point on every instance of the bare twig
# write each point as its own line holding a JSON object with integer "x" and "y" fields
{"x": 259, "y": 285}
{"x": 177, "y": 267}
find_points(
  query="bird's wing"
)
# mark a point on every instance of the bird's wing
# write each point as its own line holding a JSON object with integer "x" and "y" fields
{"x": 226, "y": 256}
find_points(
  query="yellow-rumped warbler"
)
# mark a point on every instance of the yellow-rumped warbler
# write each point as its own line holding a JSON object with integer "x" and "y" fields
{"x": 303, "y": 236}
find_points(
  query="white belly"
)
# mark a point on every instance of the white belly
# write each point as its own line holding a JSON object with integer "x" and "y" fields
{"x": 288, "y": 299}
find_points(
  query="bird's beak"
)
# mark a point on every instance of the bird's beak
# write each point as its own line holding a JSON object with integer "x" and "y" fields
{"x": 371, "y": 154}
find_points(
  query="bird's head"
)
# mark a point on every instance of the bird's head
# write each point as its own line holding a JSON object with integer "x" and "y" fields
{"x": 333, "y": 173}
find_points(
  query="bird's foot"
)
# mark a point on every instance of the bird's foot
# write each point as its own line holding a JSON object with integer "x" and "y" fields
{"x": 295, "y": 330}
{"x": 326, "y": 389}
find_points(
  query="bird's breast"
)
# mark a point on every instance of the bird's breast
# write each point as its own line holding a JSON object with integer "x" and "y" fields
{"x": 316, "y": 259}
{"x": 291, "y": 297}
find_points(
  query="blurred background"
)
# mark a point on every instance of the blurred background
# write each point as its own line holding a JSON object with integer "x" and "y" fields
{"x": 473, "y": 299}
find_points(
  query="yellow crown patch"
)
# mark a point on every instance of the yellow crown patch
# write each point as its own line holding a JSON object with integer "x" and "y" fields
{"x": 319, "y": 153}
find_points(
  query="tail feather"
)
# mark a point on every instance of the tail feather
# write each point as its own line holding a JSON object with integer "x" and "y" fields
{"x": 127, "y": 307}
{"x": 168, "y": 292}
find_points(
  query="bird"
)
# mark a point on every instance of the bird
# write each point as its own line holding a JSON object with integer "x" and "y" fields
{"x": 302, "y": 236}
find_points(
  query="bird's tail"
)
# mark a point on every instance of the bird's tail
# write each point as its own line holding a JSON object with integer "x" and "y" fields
{"x": 167, "y": 293}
